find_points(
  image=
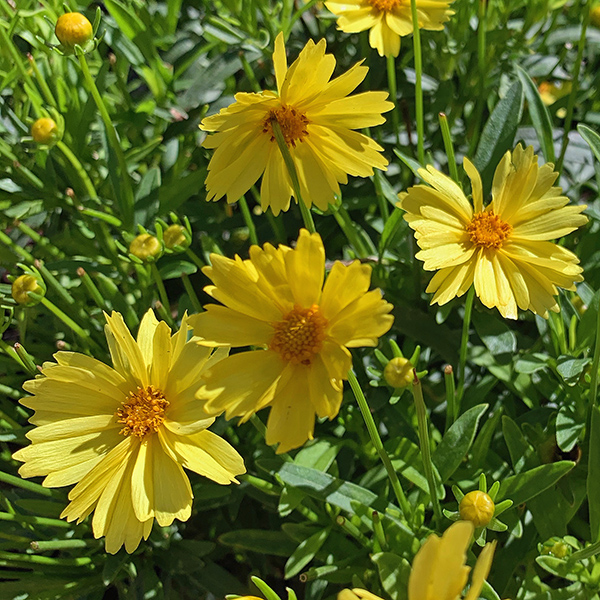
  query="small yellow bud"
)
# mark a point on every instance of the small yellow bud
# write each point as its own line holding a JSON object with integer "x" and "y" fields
{"x": 398, "y": 373}
{"x": 23, "y": 284}
{"x": 174, "y": 236}
{"x": 45, "y": 131}
{"x": 595, "y": 16}
{"x": 560, "y": 550}
{"x": 477, "y": 507}
{"x": 145, "y": 246}
{"x": 73, "y": 28}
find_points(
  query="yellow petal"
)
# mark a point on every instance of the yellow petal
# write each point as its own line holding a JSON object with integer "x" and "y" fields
{"x": 305, "y": 269}
{"x": 145, "y": 335}
{"x": 279, "y": 61}
{"x": 476, "y": 185}
{"x": 325, "y": 392}
{"x": 421, "y": 573}
{"x": 161, "y": 352}
{"x": 481, "y": 571}
{"x": 344, "y": 285}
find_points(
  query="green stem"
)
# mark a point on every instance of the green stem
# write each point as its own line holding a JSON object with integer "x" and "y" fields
{"x": 424, "y": 443}
{"x": 195, "y": 259}
{"x": 29, "y": 486}
{"x": 10, "y": 351}
{"x": 113, "y": 140}
{"x": 381, "y": 199}
{"x": 191, "y": 292}
{"x": 419, "y": 83}
{"x": 26, "y": 358}
{"x": 98, "y": 214}
{"x": 349, "y": 228}
{"x": 249, "y": 72}
{"x": 162, "y": 292}
{"x": 449, "y": 147}
{"x": 451, "y": 412}
{"x": 33, "y": 179}
{"x": 574, "y": 84}
{"x": 85, "y": 180}
{"x": 40, "y": 239}
{"x": 45, "y": 560}
{"x": 21, "y": 252}
{"x": 291, "y": 167}
{"x": 41, "y": 521}
{"x": 392, "y": 86}
{"x": 376, "y": 440}
{"x": 595, "y": 362}
{"x": 92, "y": 290}
{"x": 463, "y": 347}
{"x": 378, "y": 530}
{"x": 46, "y": 92}
{"x": 47, "y": 546}
{"x": 248, "y": 220}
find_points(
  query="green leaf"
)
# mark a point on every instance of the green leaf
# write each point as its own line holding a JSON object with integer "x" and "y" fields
{"x": 177, "y": 268}
{"x": 318, "y": 455}
{"x": 570, "y": 369}
{"x": 531, "y": 363}
{"x": 393, "y": 573}
{"x": 591, "y": 137}
{"x": 497, "y": 337}
{"x": 593, "y": 478}
{"x": 262, "y": 541}
{"x": 569, "y": 424}
{"x": 524, "y": 486}
{"x": 457, "y": 441}
{"x": 518, "y": 447}
{"x": 562, "y": 568}
{"x": 305, "y": 552}
{"x": 411, "y": 163}
{"x": 392, "y": 225}
{"x": 499, "y": 134}
{"x": 540, "y": 115}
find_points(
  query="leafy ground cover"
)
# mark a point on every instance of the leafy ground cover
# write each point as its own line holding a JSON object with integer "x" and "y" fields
{"x": 347, "y": 427}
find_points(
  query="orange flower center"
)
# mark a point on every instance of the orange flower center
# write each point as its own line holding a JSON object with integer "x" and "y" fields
{"x": 299, "y": 336}
{"x": 143, "y": 412}
{"x": 385, "y": 5}
{"x": 292, "y": 123}
{"x": 488, "y": 230}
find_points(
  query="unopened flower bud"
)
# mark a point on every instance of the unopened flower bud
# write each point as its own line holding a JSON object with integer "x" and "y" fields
{"x": 398, "y": 373}
{"x": 73, "y": 29}
{"x": 145, "y": 246}
{"x": 24, "y": 284}
{"x": 477, "y": 507}
{"x": 45, "y": 131}
{"x": 174, "y": 235}
{"x": 595, "y": 16}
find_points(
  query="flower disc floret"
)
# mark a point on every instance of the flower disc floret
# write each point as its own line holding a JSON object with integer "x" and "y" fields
{"x": 73, "y": 29}
{"x": 299, "y": 335}
{"x": 143, "y": 412}
{"x": 385, "y": 5}
{"x": 477, "y": 507}
{"x": 293, "y": 124}
{"x": 487, "y": 230}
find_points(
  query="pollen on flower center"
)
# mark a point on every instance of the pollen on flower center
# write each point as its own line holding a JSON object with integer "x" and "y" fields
{"x": 487, "y": 230}
{"x": 292, "y": 123}
{"x": 385, "y": 5}
{"x": 142, "y": 412}
{"x": 299, "y": 336}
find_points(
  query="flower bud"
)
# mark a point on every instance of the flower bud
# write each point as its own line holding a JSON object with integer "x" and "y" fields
{"x": 27, "y": 283}
{"x": 45, "y": 131}
{"x": 595, "y": 16}
{"x": 398, "y": 373}
{"x": 477, "y": 507}
{"x": 73, "y": 29}
{"x": 145, "y": 247}
{"x": 174, "y": 235}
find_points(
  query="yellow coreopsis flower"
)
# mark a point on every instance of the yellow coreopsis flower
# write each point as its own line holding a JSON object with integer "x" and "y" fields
{"x": 123, "y": 433}
{"x": 316, "y": 119}
{"x": 388, "y": 20}
{"x": 503, "y": 249}
{"x": 277, "y": 301}
{"x": 439, "y": 570}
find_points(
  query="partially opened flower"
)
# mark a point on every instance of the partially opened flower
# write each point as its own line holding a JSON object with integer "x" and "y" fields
{"x": 503, "y": 249}
{"x": 123, "y": 433}
{"x": 388, "y": 20}
{"x": 277, "y": 301}
{"x": 439, "y": 570}
{"x": 316, "y": 119}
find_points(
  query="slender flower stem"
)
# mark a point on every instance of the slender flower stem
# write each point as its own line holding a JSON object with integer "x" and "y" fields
{"x": 349, "y": 228}
{"x": 586, "y": 6}
{"x": 10, "y": 351}
{"x": 378, "y": 530}
{"x": 40, "y": 239}
{"x": 50, "y": 545}
{"x": 42, "y": 521}
{"x": 113, "y": 140}
{"x": 446, "y": 135}
{"x": 91, "y": 289}
{"x": 376, "y": 440}
{"x": 30, "y": 486}
{"x": 463, "y": 347}
{"x": 248, "y": 220}
{"x": 595, "y": 362}
{"x": 419, "y": 83}
{"x": 291, "y": 167}
{"x": 81, "y": 172}
{"x": 195, "y": 258}
{"x": 44, "y": 560}
{"x": 450, "y": 396}
{"x": 392, "y": 86}
{"x": 424, "y": 443}
{"x": 26, "y": 358}
{"x": 47, "y": 93}
{"x": 191, "y": 292}
{"x": 20, "y": 252}
{"x": 162, "y": 292}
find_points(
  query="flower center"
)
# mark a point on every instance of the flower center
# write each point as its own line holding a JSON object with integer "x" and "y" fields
{"x": 487, "y": 230}
{"x": 299, "y": 335}
{"x": 385, "y": 5}
{"x": 291, "y": 122}
{"x": 143, "y": 412}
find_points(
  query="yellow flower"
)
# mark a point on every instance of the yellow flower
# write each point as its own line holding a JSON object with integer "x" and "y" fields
{"x": 45, "y": 131}
{"x": 439, "y": 570}
{"x": 388, "y": 20}
{"x": 123, "y": 433}
{"x": 505, "y": 248}
{"x": 477, "y": 507}
{"x": 73, "y": 29}
{"x": 276, "y": 300}
{"x": 316, "y": 119}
